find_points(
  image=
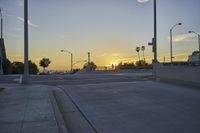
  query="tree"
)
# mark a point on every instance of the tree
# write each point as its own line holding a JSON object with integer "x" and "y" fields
{"x": 75, "y": 70}
{"x": 91, "y": 66}
{"x": 45, "y": 63}
{"x": 33, "y": 69}
{"x": 141, "y": 63}
{"x": 127, "y": 65}
{"x": 143, "y": 49}
{"x": 138, "y": 50}
{"x": 18, "y": 68}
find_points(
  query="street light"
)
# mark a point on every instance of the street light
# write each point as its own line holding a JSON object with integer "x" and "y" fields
{"x": 71, "y": 58}
{"x": 155, "y": 35}
{"x": 198, "y": 40}
{"x": 1, "y": 55}
{"x": 171, "y": 57}
{"x": 1, "y": 24}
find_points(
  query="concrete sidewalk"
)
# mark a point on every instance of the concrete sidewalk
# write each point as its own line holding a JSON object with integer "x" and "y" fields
{"x": 26, "y": 109}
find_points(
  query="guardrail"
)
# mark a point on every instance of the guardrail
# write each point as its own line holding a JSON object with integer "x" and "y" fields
{"x": 179, "y": 73}
{"x": 181, "y": 64}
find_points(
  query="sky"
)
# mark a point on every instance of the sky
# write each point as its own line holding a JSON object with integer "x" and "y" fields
{"x": 109, "y": 29}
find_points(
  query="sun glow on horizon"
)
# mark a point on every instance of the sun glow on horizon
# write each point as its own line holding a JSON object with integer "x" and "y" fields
{"x": 109, "y": 29}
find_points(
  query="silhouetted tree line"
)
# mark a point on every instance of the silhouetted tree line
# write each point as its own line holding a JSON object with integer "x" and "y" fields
{"x": 91, "y": 65}
{"x": 17, "y": 67}
{"x": 138, "y": 65}
{"x": 75, "y": 70}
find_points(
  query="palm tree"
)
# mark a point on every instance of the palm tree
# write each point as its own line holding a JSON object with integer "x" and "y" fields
{"x": 45, "y": 63}
{"x": 138, "y": 50}
{"x": 143, "y": 49}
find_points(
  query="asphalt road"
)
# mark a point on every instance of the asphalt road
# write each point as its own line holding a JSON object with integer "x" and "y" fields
{"x": 123, "y": 102}
{"x": 76, "y": 78}
{"x": 137, "y": 107}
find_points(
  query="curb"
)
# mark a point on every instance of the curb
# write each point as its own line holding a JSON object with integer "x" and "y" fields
{"x": 58, "y": 115}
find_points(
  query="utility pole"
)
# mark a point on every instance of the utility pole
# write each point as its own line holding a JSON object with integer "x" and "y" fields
{"x": 164, "y": 59}
{"x": 88, "y": 68}
{"x": 26, "y": 76}
{"x": 88, "y": 58}
{"x": 71, "y": 63}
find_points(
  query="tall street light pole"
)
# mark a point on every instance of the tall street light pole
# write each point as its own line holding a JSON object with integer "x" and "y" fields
{"x": 1, "y": 24}
{"x": 1, "y": 55}
{"x": 171, "y": 40}
{"x": 198, "y": 40}
{"x": 71, "y": 58}
{"x": 155, "y": 33}
{"x": 26, "y": 77}
{"x": 154, "y": 42}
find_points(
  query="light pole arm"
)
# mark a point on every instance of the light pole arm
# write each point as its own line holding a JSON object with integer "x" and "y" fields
{"x": 175, "y": 26}
{"x": 79, "y": 62}
{"x": 66, "y": 51}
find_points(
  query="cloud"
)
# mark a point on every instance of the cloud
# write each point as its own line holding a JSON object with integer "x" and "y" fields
{"x": 103, "y": 55}
{"x": 183, "y": 37}
{"x": 115, "y": 54}
{"x": 18, "y": 29}
{"x": 142, "y": 1}
{"x": 29, "y": 22}
{"x": 66, "y": 36}
{"x": 12, "y": 35}
{"x": 20, "y": 3}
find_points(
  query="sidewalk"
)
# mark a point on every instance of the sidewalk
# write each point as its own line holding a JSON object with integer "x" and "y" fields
{"x": 26, "y": 109}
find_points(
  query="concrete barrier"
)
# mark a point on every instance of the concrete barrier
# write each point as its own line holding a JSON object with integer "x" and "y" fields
{"x": 185, "y": 75}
